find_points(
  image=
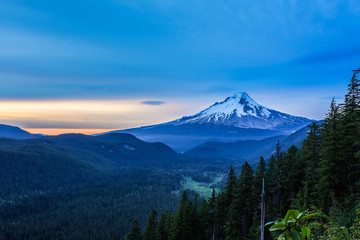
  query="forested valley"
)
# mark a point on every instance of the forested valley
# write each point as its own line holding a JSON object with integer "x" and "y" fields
{"x": 115, "y": 186}
{"x": 75, "y": 186}
{"x": 322, "y": 177}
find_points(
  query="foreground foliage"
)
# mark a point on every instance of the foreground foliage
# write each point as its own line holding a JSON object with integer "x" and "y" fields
{"x": 300, "y": 226}
{"x": 294, "y": 226}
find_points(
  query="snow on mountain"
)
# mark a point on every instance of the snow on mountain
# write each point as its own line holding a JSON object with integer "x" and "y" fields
{"x": 241, "y": 111}
{"x": 236, "y": 118}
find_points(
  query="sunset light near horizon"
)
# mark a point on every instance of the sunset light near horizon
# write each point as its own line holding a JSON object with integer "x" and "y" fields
{"x": 147, "y": 62}
{"x": 85, "y": 116}
{"x": 175, "y": 119}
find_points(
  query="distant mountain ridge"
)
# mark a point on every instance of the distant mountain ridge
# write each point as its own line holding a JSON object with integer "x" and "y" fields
{"x": 7, "y": 131}
{"x": 107, "y": 152}
{"x": 236, "y": 118}
{"x": 248, "y": 150}
{"x": 49, "y": 182}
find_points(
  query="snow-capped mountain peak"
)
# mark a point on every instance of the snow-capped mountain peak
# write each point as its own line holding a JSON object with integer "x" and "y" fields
{"x": 236, "y": 118}
{"x": 240, "y": 104}
{"x": 240, "y": 110}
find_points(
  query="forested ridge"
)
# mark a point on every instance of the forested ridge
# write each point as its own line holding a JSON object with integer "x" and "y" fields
{"x": 323, "y": 175}
{"x": 62, "y": 187}
{"x": 88, "y": 187}
{"x": 93, "y": 187}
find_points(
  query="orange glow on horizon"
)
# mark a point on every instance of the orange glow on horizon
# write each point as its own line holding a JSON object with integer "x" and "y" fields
{"x": 53, "y": 117}
{"x": 58, "y": 131}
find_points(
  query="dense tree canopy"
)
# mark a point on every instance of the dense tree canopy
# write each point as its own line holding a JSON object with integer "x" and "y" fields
{"x": 324, "y": 172}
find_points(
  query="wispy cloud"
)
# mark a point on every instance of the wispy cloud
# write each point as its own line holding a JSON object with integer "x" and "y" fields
{"x": 114, "y": 114}
{"x": 160, "y": 49}
{"x": 330, "y": 56}
{"x": 153, "y": 102}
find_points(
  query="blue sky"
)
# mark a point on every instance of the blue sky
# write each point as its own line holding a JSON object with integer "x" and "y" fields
{"x": 290, "y": 55}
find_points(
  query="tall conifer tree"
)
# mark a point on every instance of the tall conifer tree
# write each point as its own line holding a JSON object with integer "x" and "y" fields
{"x": 311, "y": 156}
{"x": 163, "y": 226}
{"x": 259, "y": 176}
{"x": 181, "y": 224}
{"x": 287, "y": 167}
{"x": 332, "y": 182}
{"x": 205, "y": 220}
{"x": 247, "y": 197}
{"x": 239, "y": 217}
{"x": 258, "y": 181}
{"x": 350, "y": 131}
{"x": 230, "y": 186}
{"x": 135, "y": 231}
{"x": 151, "y": 225}
{"x": 271, "y": 187}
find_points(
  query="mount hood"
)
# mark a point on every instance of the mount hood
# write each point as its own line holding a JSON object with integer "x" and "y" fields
{"x": 236, "y": 118}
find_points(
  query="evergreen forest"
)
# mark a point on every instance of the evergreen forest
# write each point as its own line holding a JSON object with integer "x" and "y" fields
{"x": 322, "y": 177}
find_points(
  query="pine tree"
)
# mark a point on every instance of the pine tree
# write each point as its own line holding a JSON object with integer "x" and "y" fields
{"x": 258, "y": 181}
{"x": 205, "y": 220}
{"x": 310, "y": 154}
{"x": 163, "y": 226}
{"x": 193, "y": 218}
{"x": 332, "y": 182}
{"x": 247, "y": 197}
{"x": 151, "y": 225}
{"x": 230, "y": 186}
{"x": 350, "y": 131}
{"x": 212, "y": 204}
{"x": 287, "y": 167}
{"x": 259, "y": 176}
{"x": 232, "y": 224}
{"x": 239, "y": 218}
{"x": 135, "y": 231}
{"x": 181, "y": 228}
{"x": 299, "y": 172}
{"x": 224, "y": 203}
{"x": 278, "y": 171}
{"x": 220, "y": 215}
{"x": 352, "y": 98}
{"x": 271, "y": 188}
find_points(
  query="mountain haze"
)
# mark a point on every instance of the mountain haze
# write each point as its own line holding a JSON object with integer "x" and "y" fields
{"x": 238, "y": 117}
{"x": 248, "y": 150}
{"x": 7, "y": 131}
{"x": 75, "y": 186}
{"x": 106, "y": 152}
